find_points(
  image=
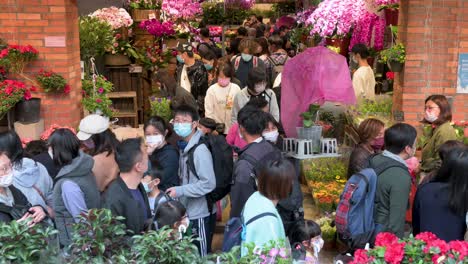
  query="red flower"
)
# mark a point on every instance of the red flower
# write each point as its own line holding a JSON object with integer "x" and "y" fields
{"x": 460, "y": 247}
{"x": 361, "y": 257}
{"x": 9, "y": 90}
{"x": 67, "y": 89}
{"x": 118, "y": 36}
{"x": 390, "y": 75}
{"x": 27, "y": 95}
{"x": 4, "y": 53}
{"x": 437, "y": 246}
{"x": 98, "y": 101}
{"x": 426, "y": 237}
{"x": 394, "y": 254}
{"x": 33, "y": 89}
{"x": 385, "y": 239}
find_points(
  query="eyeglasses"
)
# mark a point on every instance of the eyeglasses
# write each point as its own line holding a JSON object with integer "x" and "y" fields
{"x": 5, "y": 169}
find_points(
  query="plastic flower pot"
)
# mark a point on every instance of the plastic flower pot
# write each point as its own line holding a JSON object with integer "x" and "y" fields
{"x": 395, "y": 66}
{"x": 342, "y": 43}
{"x": 116, "y": 60}
{"x": 28, "y": 111}
{"x": 391, "y": 16}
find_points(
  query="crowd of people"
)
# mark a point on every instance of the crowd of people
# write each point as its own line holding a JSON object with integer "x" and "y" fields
{"x": 225, "y": 140}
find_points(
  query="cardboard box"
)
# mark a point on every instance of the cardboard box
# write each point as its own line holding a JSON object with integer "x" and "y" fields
{"x": 32, "y": 131}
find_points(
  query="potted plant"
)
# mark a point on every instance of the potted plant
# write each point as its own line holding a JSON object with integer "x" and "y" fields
{"x": 120, "y": 52}
{"x": 161, "y": 107}
{"x": 395, "y": 57}
{"x": 16, "y": 57}
{"x": 144, "y": 9}
{"x": 309, "y": 129}
{"x": 390, "y": 8}
{"x": 95, "y": 96}
{"x": 380, "y": 108}
{"x": 328, "y": 231}
{"x": 52, "y": 82}
{"x": 95, "y": 39}
{"x": 23, "y": 244}
{"x": 12, "y": 92}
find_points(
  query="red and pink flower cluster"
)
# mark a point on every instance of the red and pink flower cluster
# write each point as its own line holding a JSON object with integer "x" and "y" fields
{"x": 157, "y": 28}
{"x": 27, "y": 49}
{"x": 387, "y": 2}
{"x": 424, "y": 248}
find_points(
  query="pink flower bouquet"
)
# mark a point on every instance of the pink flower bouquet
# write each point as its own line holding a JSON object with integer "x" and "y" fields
{"x": 116, "y": 17}
{"x": 182, "y": 9}
{"x": 157, "y": 28}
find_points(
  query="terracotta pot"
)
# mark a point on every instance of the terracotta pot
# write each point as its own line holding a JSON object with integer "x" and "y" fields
{"x": 116, "y": 60}
{"x": 391, "y": 16}
{"x": 342, "y": 43}
{"x": 144, "y": 14}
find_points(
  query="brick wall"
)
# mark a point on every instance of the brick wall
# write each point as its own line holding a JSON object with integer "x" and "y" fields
{"x": 434, "y": 32}
{"x": 29, "y": 22}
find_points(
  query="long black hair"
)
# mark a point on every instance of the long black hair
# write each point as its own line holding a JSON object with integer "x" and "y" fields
{"x": 65, "y": 146}
{"x": 453, "y": 171}
{"x": 104, "y": 142}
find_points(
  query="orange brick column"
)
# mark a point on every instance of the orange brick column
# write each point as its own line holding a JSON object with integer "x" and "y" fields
{"x": 434, "y": 33}
{"x": 32, "y": 22}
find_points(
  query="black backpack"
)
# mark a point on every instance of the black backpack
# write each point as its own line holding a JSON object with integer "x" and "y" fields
{"x": 215, "y": 49}
{"x": 223, "y": 164}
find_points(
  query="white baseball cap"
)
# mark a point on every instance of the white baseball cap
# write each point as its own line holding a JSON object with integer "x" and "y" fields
{"x": 91, "y": 125}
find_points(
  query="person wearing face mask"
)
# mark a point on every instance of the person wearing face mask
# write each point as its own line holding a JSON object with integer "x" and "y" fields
{"x": 209, "y": 60}
{"x": 256, "y": 87}
{"x": 163, "y": 156}
{"x": 192, "y": 75}
{"x": 306, "y": 241}
{"x": 437, "y": 115}
{"x": 126, "y": 195}
{"x": 371, "y": 141}
{"x": 194, "y": 187}
{"x": 156, "y": 196}
{"x": 394, "y": 182}
{"x": 100, "y": 142}
{"x": 363, "y": 77}
{"x": 14, "y": 203}
{"x": 244, "y": 62}
{"x": 219, "y": 98}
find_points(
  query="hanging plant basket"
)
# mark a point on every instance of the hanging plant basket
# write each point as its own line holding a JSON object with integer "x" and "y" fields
{"x": 395, "y": 66}
{"x": 28, "y": 111}
{"x": 116, "y": 60}
{"x": 391, "y": 16}
{"x": 342, "y": 43}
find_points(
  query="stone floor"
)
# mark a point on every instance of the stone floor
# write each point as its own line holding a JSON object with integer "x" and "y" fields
{"x": 310, "y": 212}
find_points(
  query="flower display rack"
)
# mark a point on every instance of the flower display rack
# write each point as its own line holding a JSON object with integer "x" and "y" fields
{"x": 304, "y": 149}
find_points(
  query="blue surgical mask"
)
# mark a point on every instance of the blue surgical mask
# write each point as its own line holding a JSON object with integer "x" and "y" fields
{"x": 179, "y": 59}
{"x": 208, "y": 67}
{"x": 246, "y": 57}
{"x": 183, "y": 129}
{"x": 146, "y": 186}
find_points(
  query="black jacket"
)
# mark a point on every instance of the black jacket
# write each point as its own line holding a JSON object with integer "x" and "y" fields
{"x": 431, "y": 213}
{"x": 198, "y": 77}
{"x": 48, "y": 163}
{"x": 120, "y": 201}
{"x": 166, "y": 160}
{"x": 20, "y": 203}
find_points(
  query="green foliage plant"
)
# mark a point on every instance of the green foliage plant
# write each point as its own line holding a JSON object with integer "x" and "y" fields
{"x": 95, "y": 97}
{"x": 310, "y": 116}
{"x": 395, "y": 53}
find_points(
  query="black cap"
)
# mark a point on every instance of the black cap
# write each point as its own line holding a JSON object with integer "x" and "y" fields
{"x": 184, "y": 47}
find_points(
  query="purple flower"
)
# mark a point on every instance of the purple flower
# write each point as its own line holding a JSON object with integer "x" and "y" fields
{"x": 283, "y": 253}
{"x": 273, "y": 252}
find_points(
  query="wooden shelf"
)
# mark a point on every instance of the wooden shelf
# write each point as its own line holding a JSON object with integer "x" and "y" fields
{"x": 129, "y": 94}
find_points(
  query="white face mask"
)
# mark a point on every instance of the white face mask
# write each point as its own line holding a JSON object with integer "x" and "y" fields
{"x": 260, "y": 87}
{"x": 6, "y": 180}
{"x": 271, "y": 136}
{"x": 51, "y": 153}
{"x": 430, "y": 117}
{"x": 155, "y": 141}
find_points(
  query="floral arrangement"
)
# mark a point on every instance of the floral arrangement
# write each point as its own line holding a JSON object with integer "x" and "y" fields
{"x": 243, "y": 4}
{"x": 158, "y": 28}
{"x": 215, "y": 31}
{"x": 369, "y": 27}
{"x": 95, "y": 97}
{"x": 380, "y": 108}
{"x": 161, "y": 107}
{"x": 326, "y": 177}
{"x": 16, "y": 57}
{"x": 424, "y": 248}
{"x": 395, "y": 53}
{"x": 328, "y": 230}
{"x": 52, "y": 82}
{"x": 181, "y": 9}
{"x": 122, "y": 46}
{"x": 155, "y": 57}
{"x": 143, "y": 4}
{"x": 115, "y": 17}
{"x": 383, "y": 4}
{"x": 11, "y": 92}
{"x": 303, "y": 15}
{"x": 46, "y": 134}
{"x": 184, "y": 29}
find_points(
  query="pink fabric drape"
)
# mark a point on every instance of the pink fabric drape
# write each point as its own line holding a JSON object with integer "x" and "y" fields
{"x": 313, "y": 76}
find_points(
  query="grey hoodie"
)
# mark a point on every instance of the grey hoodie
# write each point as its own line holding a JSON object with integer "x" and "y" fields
{"x": 33, "y": 180}
{"x": 193, "y": 190}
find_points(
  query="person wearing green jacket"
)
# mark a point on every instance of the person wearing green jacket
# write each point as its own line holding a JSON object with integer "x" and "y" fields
{"x": 394, "y": 182}
{"x": 438, "y": 115}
